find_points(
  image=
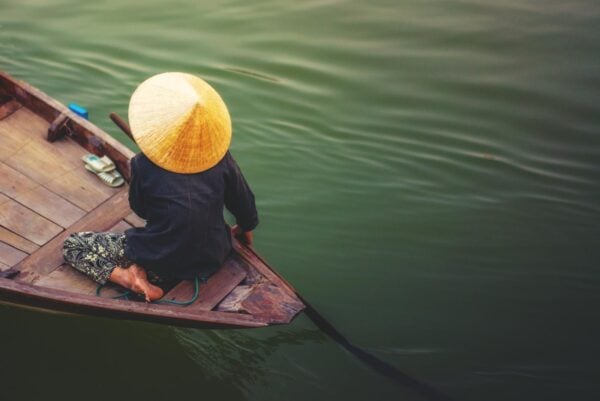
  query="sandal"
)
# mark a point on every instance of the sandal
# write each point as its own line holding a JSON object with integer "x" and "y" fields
{"x": 104, "y": 168}
{"x": 98, "y": 164}
{"x": 111, "y": 178}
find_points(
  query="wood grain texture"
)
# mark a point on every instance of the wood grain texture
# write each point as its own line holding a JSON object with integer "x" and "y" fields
{"x": 9, "y": 255}
{"x": 49, "y": 257}
{"x": 16, "y": 241}
{"x": 6, "y": 109}
{"x": 120, "y": 227}
{"x": 87, "y": 134}
{"x": 214, "y": 290}
{"x": 26, "y": 223}
{"x": 252, "y": 258}
{"x": 67, "y": 278}
{"x": 37, "y": 198}
{"x": 33, "y": 127}
{"x": 57, "y": 166}
{"x": 233, "y": 301}
{"x": 135, "y": 220}
{"x": 11, "y": 140}
{"x": 81, "y": 188}
{"x": 272, "y": 304}
{"x": 54, "y": 299}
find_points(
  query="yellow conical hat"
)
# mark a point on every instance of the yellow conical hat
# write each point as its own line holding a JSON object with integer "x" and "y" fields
{"x": 180, "y": 122}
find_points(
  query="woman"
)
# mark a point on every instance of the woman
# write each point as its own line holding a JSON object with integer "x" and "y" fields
{"x": 181, "y": 181}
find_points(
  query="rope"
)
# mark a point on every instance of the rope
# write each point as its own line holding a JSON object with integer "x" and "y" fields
{"x": 183, "y": 303}
{"x": 126, "y": 294}
{"x": 123, "y": 295}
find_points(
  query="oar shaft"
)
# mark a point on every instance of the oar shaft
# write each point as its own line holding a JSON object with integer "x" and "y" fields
{"x": 375, "y": 363}
{"x": 121, "y": 124}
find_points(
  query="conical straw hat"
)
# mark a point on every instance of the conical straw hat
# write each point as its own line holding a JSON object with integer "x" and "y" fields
{"x": 180, "y": 122}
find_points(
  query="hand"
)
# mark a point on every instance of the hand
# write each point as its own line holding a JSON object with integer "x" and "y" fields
{"x": 245, "y": 236}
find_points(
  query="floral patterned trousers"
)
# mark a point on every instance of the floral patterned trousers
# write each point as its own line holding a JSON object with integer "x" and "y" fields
{"x": 96, "y": 254}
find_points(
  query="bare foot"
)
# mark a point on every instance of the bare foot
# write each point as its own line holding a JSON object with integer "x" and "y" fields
{"x": 135, "y": 279}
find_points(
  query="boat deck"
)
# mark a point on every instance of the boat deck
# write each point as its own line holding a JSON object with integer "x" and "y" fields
{"x": 46, "y": 194}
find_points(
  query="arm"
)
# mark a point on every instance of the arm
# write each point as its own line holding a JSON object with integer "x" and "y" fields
{"x": 239, "y": 200}
{"x": 136, "y": 199}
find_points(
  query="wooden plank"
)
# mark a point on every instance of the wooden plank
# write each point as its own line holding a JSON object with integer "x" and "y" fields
{"x": 120, "y": 227}
{"x": 4, "y": 97}
{"x": 272, "y": 304}
{"x": 233, "y": 301}
{"x": 40, "y": 165}
{"x": 253, "y": 259}
{"x": 11, "y": 140}
{"x": 27, "y": 294}
{"x": 278, "y": 292}
{"x": 4, "y": 267}
{"x": 6, "y": 109}
{"x": 67, "y": 278}
{"x": 35, "y": 128}
{"x": 57, "y": 165}
{"x": 81, "y": 188}
{"x": 87, "y": 134}
{"x": 37, "y": 198}
{"x": 38, "y": 160}
{"x": 135, "y": 220}
{"x": 66, "y": 151}
{"x": 17, "y": 241}
{"x": 220, "y": 284}
{"x": 30, "y": 126}
{"x": 49, "y": 257}
{"x": 10, "y": 256}
{"x": 26, "y": 223}
{"x": 214, "y": 290}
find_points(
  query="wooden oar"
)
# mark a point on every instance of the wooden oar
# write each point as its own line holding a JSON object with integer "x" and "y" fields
{"x": 378, "y": 365}
{"x": 121, "y": 124}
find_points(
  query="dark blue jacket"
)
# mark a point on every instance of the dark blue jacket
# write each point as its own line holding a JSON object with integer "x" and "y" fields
{"x": 185, "y": 234}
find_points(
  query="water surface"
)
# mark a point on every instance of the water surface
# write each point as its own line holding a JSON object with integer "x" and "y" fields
{"x": 427, "y": 174}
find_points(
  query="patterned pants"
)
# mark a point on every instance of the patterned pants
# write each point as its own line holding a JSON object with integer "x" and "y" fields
{"x": 96, "y": 254}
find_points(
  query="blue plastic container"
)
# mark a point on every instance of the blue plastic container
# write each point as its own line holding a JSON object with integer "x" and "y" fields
{"x": 79, "y": 110}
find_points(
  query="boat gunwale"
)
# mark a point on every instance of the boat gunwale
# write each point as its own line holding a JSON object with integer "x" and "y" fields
{"x": 55, "y": 299}
{"x": 83, "y": 130}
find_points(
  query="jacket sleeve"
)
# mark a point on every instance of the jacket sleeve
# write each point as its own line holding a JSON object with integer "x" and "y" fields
{"x": 136, "y": 197}
{"x": 239, "y": 199}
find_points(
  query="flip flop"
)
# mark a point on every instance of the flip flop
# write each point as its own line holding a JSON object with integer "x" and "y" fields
{"x": 110, "y": 178}
{"x": 98, "y": 164}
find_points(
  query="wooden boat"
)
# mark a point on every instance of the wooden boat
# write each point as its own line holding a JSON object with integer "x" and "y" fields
{"x": 46, "y": 194}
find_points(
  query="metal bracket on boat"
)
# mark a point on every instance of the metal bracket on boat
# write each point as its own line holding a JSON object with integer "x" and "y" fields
{"x": 58, "y": 127}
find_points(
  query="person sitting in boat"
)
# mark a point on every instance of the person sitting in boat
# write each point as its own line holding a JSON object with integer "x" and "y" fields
{"x": 181, "y": 181}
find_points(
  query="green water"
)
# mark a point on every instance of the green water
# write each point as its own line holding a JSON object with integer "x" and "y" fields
{"x": 427, "y": 174}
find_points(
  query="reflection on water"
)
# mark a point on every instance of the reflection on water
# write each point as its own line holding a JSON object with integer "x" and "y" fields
{"x": 239, "y": 357}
